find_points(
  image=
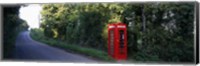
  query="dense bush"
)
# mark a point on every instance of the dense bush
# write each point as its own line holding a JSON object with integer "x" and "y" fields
{"x": 156, "y": 31}
{"x": 12, "y": 25}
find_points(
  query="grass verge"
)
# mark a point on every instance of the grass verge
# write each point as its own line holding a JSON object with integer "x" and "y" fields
{"x": 37, "y": 34}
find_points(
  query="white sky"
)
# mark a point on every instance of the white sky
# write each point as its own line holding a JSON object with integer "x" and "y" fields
{"x": 31, "y": 14}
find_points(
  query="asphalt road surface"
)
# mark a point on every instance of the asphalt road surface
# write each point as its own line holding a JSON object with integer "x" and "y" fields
{"x": 28, "y": 49}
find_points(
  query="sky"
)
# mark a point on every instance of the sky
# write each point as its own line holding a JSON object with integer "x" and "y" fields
{"x": 30, "y": 14}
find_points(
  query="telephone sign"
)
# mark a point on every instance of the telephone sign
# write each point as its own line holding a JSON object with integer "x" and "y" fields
{"x": 117, "y": 41}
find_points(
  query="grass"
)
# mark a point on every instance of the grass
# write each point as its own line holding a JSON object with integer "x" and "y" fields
{"x": 38, "y": 35}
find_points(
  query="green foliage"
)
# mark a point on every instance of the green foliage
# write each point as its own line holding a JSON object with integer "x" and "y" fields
{"x": 156, "y": 31}
{"x": 163, "y": 39}
{"x": 12, "y": 25}
{"x": 73, "y": 22}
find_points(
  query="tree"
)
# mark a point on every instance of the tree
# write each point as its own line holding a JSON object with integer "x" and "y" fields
{"x": 12, "y": 25}
{"x": 156, "y": 31}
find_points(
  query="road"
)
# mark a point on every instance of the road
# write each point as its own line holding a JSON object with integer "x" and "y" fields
{"x": 28, "y": 49}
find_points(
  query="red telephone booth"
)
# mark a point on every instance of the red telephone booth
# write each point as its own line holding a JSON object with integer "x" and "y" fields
{"x": 117, "y": 41}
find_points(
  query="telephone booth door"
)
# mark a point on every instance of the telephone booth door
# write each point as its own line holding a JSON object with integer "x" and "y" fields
{"x": 121, "y": 42}
{"x": 111, "y": 40}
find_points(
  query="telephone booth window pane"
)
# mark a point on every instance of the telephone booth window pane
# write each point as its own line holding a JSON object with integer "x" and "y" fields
{"x": 111, "y": 42}
{"x": 121, "y": 40}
